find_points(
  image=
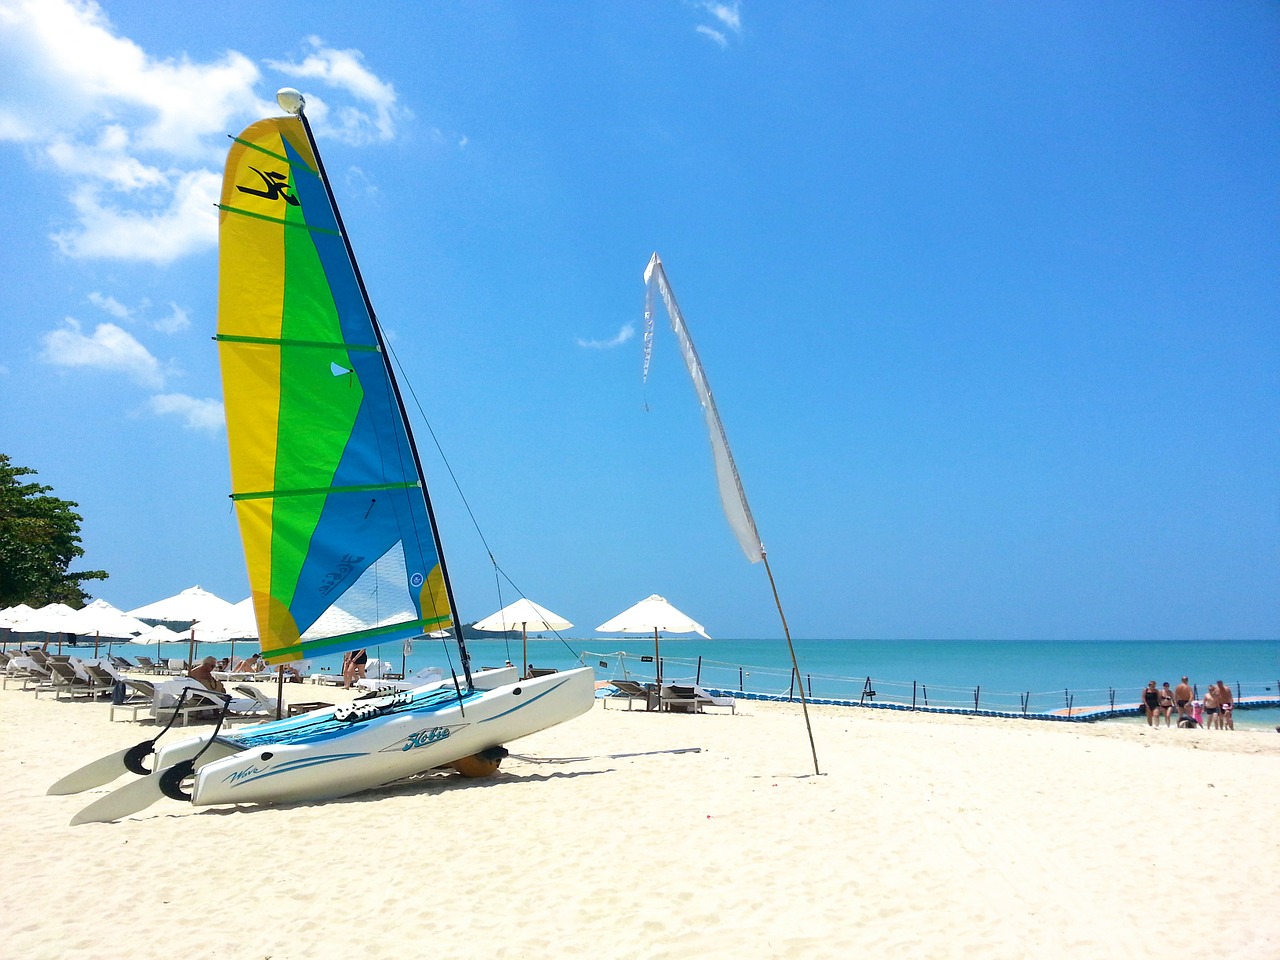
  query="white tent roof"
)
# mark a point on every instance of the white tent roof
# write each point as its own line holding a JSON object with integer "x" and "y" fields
{"x": 650, "y": 614}
{"x": 191, "y": 605}
{"x": 523, "y": 614}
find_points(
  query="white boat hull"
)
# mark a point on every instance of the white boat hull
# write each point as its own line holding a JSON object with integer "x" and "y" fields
{"x": 317, "y": 756}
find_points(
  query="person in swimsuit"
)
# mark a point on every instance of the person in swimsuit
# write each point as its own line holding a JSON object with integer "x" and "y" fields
{"x": 1211, "y": 719}
{"x": 353, "y": 666}
{"x": 1182, "y": 696}
{"x": 1166, "y": 704}
{"x": 1151, "y": 703}
{"x": 1226, "y": 708}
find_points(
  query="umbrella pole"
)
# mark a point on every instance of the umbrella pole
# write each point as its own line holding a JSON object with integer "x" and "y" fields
{"x": 524, "y": 652}
{"x": 657, "y": 669}
{"x": 97, "y": 638}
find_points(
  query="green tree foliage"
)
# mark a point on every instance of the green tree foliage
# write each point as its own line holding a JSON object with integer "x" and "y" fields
{"x": 39, "y": 537}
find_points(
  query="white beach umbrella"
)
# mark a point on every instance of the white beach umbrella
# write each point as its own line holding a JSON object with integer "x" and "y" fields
{"x": 53, "y": 618}
{"x": 11, "y": 616}
{"x": 653, "y": 614}
{"x": 524, "y": 614}
{"x": 100, "y": 619}
{"x": 193, "y": 605}
{"x": 240, "y": 625}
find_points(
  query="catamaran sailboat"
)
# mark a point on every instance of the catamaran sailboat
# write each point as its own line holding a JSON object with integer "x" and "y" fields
{"x": 339, "y": 535}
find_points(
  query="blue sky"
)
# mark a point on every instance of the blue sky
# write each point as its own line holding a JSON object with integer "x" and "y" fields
{"x": 987, "y": 295}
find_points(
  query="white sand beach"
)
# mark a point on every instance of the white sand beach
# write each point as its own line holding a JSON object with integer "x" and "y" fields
{"x": 626, "y": 834}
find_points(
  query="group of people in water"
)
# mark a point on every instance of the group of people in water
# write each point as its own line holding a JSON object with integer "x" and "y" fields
{"x": 1214, "y": 711}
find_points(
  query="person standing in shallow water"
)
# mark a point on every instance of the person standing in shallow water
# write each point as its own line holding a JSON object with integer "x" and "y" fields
{"x": 1166, "y": 704}
{"x": 1182, "y": 697}
{"x": 1211, "y": 719}
{"x": 1226, "y": 708}
{"x": 1151, "y": 703}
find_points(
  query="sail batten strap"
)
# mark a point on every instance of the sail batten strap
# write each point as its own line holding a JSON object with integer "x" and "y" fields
{"x": 405, "y": 628}
{"x": 277, "y": 342}
{"x": 323, "y": 491}
{"x": 276, "y": 156}
{"x": 284, "y": 223}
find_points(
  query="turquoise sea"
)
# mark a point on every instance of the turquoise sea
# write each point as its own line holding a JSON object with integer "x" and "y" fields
{"x": 1038, "y": 675}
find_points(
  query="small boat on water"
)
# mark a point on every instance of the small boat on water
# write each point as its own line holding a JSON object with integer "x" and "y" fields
{"x": 339, "y": 535}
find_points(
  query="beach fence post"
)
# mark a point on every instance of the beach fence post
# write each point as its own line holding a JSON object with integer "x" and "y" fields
{"x": 791, "y": 686}
{"x": 1026, "y": 702}
{"x": 913, "y": 695}
{"x": 1111, "y": 696}
{"x": 1070, "y": 702}
{"x": 866, "y": 692}
{"x": 697, "y": 677}
{"x": 925, "y": 692}
{"x": 740, "y": 687}
{"x": 977, "y": 691}
{"x": 809, "y": 680}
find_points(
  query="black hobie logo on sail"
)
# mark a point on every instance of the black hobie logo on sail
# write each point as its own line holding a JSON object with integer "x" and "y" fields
{"x": 335, "y": 577}
{"x": 276, "y": 187}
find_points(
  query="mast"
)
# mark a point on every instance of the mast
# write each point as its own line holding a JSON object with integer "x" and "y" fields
{"x": 299, "y": 111}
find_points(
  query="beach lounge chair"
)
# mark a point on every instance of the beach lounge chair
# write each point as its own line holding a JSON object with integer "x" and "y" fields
{"x": 65, "y": 680}
{"x": 263, "y": 704}
{"x": 386, "y": 685}
{"x": 682, "y": 699}
{"x": 631, "y": 692}
{"x": 147, "y": 665}
{"x": 102, "y": 678}
{"x": 27, "y": 672}
{"x": 139, "y": 697}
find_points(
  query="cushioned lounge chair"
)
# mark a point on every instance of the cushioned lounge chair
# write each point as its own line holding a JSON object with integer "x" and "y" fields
{"x": 631, "y": 692}
{"x": 682, "y": 699}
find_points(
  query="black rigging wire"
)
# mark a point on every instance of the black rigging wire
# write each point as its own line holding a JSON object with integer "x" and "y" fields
{"x": 498, "y": 573}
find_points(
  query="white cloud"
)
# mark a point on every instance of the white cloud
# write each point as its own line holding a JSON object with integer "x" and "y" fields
{"x": 178, "y": 320}
{"x": 110, "y": 231}
{"x": 715, "y": 35}
{"x": 726, "y": 13}
{"x": 109, "y": 348}
{"x": 345, "y": 70}
{"x": 64, "y": 64}
{"x": 623, "y": 335}
{"x": 139, "y": 135}
{"x": 196, "y": 414}
{"x": 109, "y": 305}
{"x": 728, "y": 17}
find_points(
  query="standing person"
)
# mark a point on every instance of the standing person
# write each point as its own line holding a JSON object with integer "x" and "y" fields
{"x": 1151, "y": 702}
{"x": 353, "y": 666}
{"x": 1166, "y": 704}
{"x": 1182, "y": 696}
{"x": 1226, "y": 707}
{"x": 1211, "y": 719}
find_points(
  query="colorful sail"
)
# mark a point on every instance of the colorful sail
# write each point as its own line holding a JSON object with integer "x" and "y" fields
{"x": 337, "y": 531}
{"x": 732, "y": 497}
